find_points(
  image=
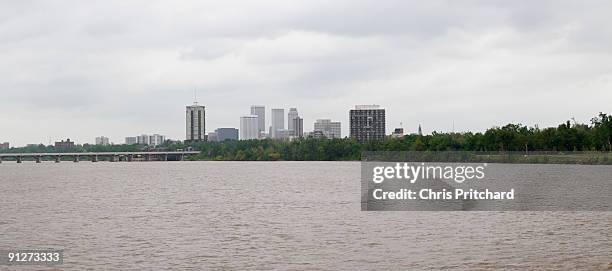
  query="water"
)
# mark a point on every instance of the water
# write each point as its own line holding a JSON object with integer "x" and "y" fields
{"x": 269, "y": 215}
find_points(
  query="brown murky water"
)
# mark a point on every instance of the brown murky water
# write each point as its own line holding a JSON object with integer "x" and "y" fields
{"x": 277, "y": 215}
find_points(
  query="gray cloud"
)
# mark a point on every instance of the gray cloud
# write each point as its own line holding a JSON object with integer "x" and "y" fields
{"x": 116, "y": 68}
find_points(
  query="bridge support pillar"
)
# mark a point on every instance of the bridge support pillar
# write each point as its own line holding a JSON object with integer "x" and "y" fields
{"x": 0, "y": 159}
{"x": 18, "y": 159}
{"x": 182, "y": 157}
{"x": 94, "y": 158}
{"x": 130, "y": 157}
{"x": 113, "y": 158}
{"x": 58, "y": 159}
{"x": 147, "y": 157}
{"x": 165, "y": 157}
{"x": 37, "y": 159}
{"x": 76, "y": 159}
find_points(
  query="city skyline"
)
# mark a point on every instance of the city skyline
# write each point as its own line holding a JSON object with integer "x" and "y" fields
{"x": 116, "y": 69}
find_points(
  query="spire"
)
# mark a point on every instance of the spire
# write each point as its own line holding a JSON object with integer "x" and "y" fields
{"x": 420, "y": 131}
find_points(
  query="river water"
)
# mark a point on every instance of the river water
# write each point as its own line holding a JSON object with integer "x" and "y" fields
{"x": 268, "y": 215}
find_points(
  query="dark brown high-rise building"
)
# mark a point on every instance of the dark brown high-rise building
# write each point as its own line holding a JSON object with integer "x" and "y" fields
{"x": 367, "y": 122}
{"x": 196, "y": 123}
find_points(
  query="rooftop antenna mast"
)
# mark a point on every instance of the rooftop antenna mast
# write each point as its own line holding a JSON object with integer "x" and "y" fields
{"x": 195, "y": 96}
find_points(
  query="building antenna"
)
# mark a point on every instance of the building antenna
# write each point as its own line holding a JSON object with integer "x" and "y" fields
{"x": 195, "y": 96}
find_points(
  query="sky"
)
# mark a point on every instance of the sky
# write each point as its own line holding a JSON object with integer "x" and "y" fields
{"x": 81, "y": 69}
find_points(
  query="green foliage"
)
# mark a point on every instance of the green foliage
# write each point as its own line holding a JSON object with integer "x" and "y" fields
{"x": 513, "y": 137}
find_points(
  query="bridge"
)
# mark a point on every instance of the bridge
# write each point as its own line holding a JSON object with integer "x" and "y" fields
{"x": 99, "y": 156}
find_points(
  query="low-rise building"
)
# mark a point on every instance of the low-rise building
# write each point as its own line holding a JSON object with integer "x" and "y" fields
{"x": 213, "y": 137}
{"x": 227, "y": 134}
{"x": 315, "y": 134}
{"x": 4, "y": 146}
{"x": 398, "y": 132}
{"x": 64, "y": 145}
{"x": 144, "y": 139}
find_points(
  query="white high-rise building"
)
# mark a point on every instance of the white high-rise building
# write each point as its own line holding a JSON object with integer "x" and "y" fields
{"x": 249, "y": 127}
{"x": 260, "y": 112}
{"x": 195, "y": 122}
{"x": 102, "y": 140}
{"x": 155, "y": 140}
{"x": 329, "y": 129}
{"x": 293, "y": 113}
{"x": 278, "y": 122}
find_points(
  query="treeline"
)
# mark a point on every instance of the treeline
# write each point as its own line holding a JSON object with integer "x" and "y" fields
{"x": 566, "y": 137}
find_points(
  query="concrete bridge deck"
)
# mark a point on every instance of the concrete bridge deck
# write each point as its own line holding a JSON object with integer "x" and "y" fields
{"x": 95, "y": 156}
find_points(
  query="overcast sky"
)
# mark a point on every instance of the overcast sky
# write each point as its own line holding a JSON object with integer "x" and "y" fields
{"x": 82, "y": 69}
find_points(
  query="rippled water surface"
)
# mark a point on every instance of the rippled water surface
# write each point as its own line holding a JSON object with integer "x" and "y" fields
{"x": 269, "y": 215}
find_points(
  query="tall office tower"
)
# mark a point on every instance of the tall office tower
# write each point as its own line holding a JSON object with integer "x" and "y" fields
{"x": 260, "y": 112}
{"x": 196, "y": 122}
{"x": 278, "y": 122}
{"x": 328, "y": 128}
{"x": 367, "y": 122}
{"x": 249, "y": 127}
{"x": 298, "y": 127}
{"x": 293, "y": 113}
{"x": 102, "y": 140}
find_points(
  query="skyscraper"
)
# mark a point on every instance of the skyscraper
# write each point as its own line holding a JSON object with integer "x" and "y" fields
{"x": 278, "y": 122}
{"x": 298, "y": 127}
{"x": 260, "y": 112}
{"x": 367, "y": 122}
{"x": 328, "y": 128}
{"x": 293, "y": 113}
{"x": 249, "y": 127}
{"x": 196, "y": 122}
